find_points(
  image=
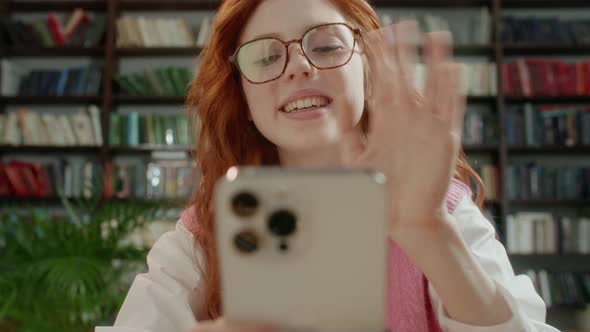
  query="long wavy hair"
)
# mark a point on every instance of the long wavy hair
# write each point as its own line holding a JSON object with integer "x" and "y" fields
{"x": 226, "y": 137}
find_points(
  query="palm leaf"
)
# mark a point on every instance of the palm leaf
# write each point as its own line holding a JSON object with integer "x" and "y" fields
{"x": 71, "y": 273}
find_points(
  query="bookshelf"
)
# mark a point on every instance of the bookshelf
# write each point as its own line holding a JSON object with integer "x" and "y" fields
{"x": 496, "y": 51}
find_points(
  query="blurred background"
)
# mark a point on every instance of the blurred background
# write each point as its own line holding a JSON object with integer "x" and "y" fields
{"x": 95, "y": 144}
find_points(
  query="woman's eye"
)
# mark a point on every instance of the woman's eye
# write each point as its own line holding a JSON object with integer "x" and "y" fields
{"x": 268, "y": 60}
{"x": 328, "y": 48}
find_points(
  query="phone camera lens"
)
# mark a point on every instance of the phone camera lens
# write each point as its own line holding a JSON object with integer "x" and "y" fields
{"x": 246, "y": 242}
{"x": 283, "y": 246}
{"x": 282, "y": 223}
{"x": 244, "y": 204}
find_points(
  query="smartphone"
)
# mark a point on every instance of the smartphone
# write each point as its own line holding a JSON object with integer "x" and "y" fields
{"x": 305, "y": 250}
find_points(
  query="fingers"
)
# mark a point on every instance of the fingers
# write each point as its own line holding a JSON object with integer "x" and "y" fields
{"x": 222, "y": 325}
{"x": 452, "y": 103}
{"x": 437, "y": 50}
{"x": 459, "y": 105}
{"x": 408, "y": 39}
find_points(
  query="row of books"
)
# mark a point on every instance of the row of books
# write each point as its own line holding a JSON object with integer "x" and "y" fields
{"x": 70, "y": 178}
{"x": 153, "y": 179}
{"x": 80, "y": 28}
{"x": 490, "y": 177}
{"x": 545, "y": 77}
{"x": 161, "y": 179}
{"x": 479, "y": 127}
{"x": 534, "y": 181}
{"x": 545, "y": 30}
{"x": 133, "y": 129}
{"x": 28, "y": 127}
{"x": 547, "y": 125}
{"x": 162, "y": 81}
{"x": 140, "y": 31}
{"x": 546, "y": 233}
{"x": 71, "y": 81}
{"x": 470, "y": 29}
{"x": 561, "y": 288}
{"x": 477, "y": 79}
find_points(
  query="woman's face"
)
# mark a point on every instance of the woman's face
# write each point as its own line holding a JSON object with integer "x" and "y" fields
{"x": 338, "y": 91}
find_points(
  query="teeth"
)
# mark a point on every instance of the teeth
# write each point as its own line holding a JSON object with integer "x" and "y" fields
{"x": 306, "y": 103}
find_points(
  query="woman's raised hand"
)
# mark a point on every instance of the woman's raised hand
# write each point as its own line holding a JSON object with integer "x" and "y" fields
{"x": 414, "y": 136}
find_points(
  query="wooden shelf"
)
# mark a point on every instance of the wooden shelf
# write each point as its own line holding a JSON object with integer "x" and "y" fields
{"x": 480, "y": 148}
{"x": 481, "y": 99}
{"x": 473, "y": 50}
{"x": 550, "y": 100}
{"x": 158, "y": 51}
{"x": 549, "y": 49}
{"x": 551, "y": 150}
{"x": 50, "y": 100}
{"x": 552, "y": 262}
{"x": 173, "y": 5}
{"x": 492, "y": 202}
{"x": 430, "y": 3}
{"x": 150, "y": 148}
{"x": 171, "y": 202}
{"x": 567, "y": 307}
{"x": 141, "y": 100}
{"x": 181, "y": 99}
{"x": 33, "y": 51}
{"x": 49, "y": 149}
{"x": 551, "y": 202}
{"x": 545, "y": 4}
{"x": 64, "y": 5}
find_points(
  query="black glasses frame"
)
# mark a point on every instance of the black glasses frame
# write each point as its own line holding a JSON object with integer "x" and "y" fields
{"x": 355, "y": 31}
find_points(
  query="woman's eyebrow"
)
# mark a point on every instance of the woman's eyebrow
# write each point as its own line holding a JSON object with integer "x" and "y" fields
{"x": 265, "y": 35}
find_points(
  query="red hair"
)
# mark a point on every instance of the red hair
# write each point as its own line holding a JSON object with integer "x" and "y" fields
{"x": 227, "y": 138}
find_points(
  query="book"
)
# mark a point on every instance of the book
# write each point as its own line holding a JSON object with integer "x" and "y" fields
{"x": 153, "y": 129}
{"x": 545, "y": 30}
{"x": 70, "y": 81}
{"x": 545, "y": 77}
{"x": 141, "y": 31}
{"x": 12, "y": 75}
{"x": 547, "y": 233}
{"x": 82, "y": 29}
{"x": 542, "y": 125}
{"x": 161, "y": 81}
{"x": 55, "y": 28}
{"x": 77, "y": 18}
{"x": 28, "y": 127}
{"x": 151, "y": 179}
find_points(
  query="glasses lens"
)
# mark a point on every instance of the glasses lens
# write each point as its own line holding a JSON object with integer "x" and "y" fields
{"x": 329, "y": 45}
{"x": 262, "y": 60}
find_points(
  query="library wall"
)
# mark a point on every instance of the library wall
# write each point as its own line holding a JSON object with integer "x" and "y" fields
{"x": 92, "y": 93}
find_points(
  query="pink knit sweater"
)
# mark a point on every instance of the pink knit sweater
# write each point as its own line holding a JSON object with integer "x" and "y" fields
{"x": 409, "y": 304}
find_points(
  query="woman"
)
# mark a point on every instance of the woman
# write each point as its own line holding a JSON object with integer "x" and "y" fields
{"x": 336, "y": 96}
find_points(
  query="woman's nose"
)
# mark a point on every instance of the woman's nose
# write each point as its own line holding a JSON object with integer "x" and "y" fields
{"x": 298, "y": 65}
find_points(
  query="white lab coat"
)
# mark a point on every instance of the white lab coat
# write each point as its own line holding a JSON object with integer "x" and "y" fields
{"x": 163, "y": 299}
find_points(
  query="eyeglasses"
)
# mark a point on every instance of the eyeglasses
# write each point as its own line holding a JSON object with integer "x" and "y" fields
{"x": 325, "y": 46}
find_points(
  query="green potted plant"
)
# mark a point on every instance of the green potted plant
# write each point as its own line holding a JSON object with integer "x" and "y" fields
{"x": 72, "y": 272}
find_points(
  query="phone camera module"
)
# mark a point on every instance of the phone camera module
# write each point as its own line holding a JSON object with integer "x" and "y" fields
{"x": 246, "y": 242}
{"x": 244, "y": 204}
{"x": 282, "y": 223}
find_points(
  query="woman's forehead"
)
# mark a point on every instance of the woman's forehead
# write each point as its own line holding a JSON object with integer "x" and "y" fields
{"x": 289, "y": 19}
